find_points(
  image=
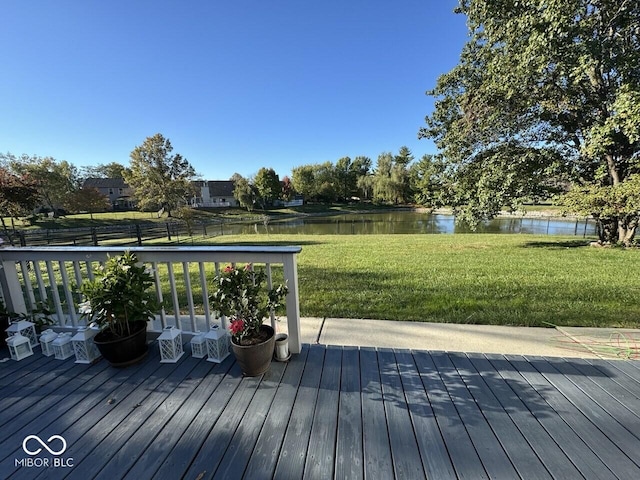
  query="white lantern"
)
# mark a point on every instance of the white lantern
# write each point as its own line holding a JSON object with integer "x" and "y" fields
{"x": 198, "y": 345}
{"x": 62, "y": 347}
{"x": 24, "y": 328}
{"x": 83, "y": 346}
{"x": 46, "y": 342}
{"x": 218, "y": 344}
{"x": 170, "y": 342}
{"x": 19, "y": 346}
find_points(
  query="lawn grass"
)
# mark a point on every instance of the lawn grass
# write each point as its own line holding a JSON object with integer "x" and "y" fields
{"x": 481, "y": 279}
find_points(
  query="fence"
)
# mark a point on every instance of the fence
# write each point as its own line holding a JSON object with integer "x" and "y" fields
{"x": 135, "y": 234}
{"x": 29, "y": 275}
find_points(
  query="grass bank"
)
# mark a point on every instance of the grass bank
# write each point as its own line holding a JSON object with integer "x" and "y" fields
{"x": 482, "y": 279}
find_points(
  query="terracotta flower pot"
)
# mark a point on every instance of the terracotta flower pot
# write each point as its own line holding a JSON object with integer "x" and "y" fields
{"x": 255, "y": 359}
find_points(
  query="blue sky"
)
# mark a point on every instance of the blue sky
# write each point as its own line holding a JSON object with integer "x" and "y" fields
{"x": 235, "y": 85}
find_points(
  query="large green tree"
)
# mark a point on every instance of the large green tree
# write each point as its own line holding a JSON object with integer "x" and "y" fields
{"x": 159, "y": 179}
{"x": 546, "y": 92}
{"x": 267, "y": 184}
{"x": 55, "y": 180}
{"x": 391, "y": 179}
{"x": 244, "y": 192}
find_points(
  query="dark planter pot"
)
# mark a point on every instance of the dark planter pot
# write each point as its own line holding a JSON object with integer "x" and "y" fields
{"x": 125, "y": 351}
{"x": 4, "y": 324}
{"x": 254, "y": 360}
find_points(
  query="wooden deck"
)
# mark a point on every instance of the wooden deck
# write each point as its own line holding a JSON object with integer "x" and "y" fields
{"x": 331, "y": 412}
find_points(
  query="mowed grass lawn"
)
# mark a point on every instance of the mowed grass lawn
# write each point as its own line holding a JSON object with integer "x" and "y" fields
{"x": 483, "y": 279}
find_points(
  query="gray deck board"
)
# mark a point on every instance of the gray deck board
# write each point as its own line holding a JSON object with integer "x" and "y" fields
{"x": 522, "y": 457}
{"x": 330, "y": 412}
{"x": 296, "y": 440}
{"x": 320, "y": 460}
{"x": 404, "y": 447}
{"x": 542, "y": 443}
{"x": 377, "y": 450}
{"x": 349, "y": 460}
{"x": 584, "y": 417}
{"x": 462, "y": 452}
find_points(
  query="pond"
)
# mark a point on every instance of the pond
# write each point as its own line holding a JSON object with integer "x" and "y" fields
{"x": 413, "y": 222}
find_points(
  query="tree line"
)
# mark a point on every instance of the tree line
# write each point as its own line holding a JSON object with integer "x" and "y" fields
{"x": 163, "y": 180}
{"x": 395, "y": 179}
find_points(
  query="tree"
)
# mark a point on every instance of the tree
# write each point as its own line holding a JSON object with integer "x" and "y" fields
{"x": 304, "y": 182}
{"x": 18, "y": 196}
{"x": 542, "y": 93}
{"x": 287, "y": 189}
{"x": 326, "y": 183}
{"x": 428, "y": 181}
{"x": 110, "y": 170}
{"x": 345, "y": 178}
{"x": 88, "y": 200}
{"x": 160, "y": 180}
{"x": 267, "y": 184}
{"x": 56, "y": 180}
{"x": 390, "y": 180}
{"x": 364, "y": 186}
{"x": 404, "y": 157}
{"x": 244, "y": 192}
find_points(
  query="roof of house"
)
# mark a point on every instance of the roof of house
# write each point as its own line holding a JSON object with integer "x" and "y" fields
{"x": 218, "y": 188}
{"x": 105, "y": 183}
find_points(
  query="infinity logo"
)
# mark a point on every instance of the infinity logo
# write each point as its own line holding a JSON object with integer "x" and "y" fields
{"x": 44, "y": 445}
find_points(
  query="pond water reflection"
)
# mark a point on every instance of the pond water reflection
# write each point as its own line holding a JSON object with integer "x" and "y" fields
{"x": 413, "y": 222}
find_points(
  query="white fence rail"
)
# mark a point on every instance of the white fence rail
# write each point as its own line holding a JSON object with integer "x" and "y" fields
{"x": 29, "y": 275}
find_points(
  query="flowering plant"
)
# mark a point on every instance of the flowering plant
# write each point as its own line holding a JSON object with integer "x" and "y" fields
{"x": 239, "y": 295}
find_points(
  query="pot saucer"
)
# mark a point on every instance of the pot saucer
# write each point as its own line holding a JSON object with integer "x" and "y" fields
{"x": 283, "y": 359}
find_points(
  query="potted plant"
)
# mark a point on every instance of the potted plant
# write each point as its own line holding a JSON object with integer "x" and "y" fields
{"x": 241, "y": 296}
{"x": 121, "y": 303}
{"x": 40, "y": 316}
{"x": 4, "y": 323}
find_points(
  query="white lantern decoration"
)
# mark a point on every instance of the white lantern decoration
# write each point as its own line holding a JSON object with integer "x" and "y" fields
{"x": 85, "y": 350}
{"x": 198, "y": 345}
{"x": 19, "y": 346}
{"x": 218, "y": 344}
{"x": 170, "y": 342}
{"x": 46, "y": 342}
{"x": 62, "y": 347}
{"x": 26, "y": 329}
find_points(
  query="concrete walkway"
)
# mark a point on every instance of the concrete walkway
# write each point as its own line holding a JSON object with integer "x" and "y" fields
{"x": 552, "y": 342}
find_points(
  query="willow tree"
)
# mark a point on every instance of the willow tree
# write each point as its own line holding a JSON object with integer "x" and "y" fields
{"x": 159, "y": 179}
{"x": 546, "y": 95}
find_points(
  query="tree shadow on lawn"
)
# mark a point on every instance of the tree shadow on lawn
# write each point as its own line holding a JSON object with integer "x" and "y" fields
{"x": 267, "y": 243}
{"x": 559, "y": 244}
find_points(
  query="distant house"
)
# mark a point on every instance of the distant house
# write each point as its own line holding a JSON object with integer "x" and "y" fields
{"x": 214, "y": 194}
{"x": 118, "y": 192}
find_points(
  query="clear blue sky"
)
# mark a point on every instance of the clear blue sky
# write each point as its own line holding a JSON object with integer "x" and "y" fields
{"x": 235, "y": 85}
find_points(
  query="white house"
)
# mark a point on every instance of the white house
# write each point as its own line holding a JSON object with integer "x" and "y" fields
{"x": 214, "y": 193}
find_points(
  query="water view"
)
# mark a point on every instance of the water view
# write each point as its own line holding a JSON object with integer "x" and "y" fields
{"x": 413, "y": 222}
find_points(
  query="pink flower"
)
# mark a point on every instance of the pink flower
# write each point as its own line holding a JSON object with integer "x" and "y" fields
{"x": 237, "y": 326}
{"x": 228, "y": 269}
{"x": 248, "y": 267}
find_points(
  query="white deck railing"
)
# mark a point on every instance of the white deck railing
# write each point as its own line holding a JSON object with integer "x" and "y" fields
{"x": 29, "y": 275}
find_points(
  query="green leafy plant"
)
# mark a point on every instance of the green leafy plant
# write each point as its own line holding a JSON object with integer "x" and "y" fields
{"x": 240, "y": 295}
{"x": 119, "y": 295}
{"x": 39, "y": 315}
